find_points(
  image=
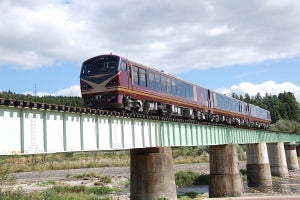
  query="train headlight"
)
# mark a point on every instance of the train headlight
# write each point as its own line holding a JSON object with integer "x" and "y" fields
{"x": 113, "y": 82}
{"x": 85, "y": 86}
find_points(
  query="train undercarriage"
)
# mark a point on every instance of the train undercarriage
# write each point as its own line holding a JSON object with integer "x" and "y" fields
{"x": 174, "y": 111}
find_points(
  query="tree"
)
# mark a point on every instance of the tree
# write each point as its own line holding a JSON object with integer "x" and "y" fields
{"x": 290, "y": 105}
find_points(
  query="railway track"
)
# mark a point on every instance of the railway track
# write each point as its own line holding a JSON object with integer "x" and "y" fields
{"x": 85, "y": 110}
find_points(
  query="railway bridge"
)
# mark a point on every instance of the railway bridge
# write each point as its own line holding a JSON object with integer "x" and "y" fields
{"x": 35, "y": 128}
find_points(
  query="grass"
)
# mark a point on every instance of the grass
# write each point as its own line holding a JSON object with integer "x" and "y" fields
{"x": 61, "y": 193}
{"x": 86, "y": 176}
{"x": 45, "y": 183}
{"x": 188, "y": 178}
{"x": 189, "y": 195}
{"x": 56, "y": 192}
{"x": 96, "y": 159}
{"x": 70, "y": 160}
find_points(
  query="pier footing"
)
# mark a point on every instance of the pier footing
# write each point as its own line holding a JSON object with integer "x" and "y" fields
{"x": 277, "y": 159}
{"x": 225, "y": 177}
{"x": 152, "y": 174}
{"x": 291, "y": 156}
{"x": 258, "y": 167}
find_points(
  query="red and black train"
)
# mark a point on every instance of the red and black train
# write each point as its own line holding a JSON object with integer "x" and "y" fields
{"x": 116, "y": 83}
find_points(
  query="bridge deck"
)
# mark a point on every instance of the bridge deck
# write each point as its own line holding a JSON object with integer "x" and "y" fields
{"x": 28, "y": 131}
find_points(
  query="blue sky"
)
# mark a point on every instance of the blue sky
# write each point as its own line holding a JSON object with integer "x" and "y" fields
{"x": 252, "y": 48}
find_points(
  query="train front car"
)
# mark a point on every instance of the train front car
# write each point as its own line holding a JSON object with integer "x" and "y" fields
{"x": 100, "y": 81}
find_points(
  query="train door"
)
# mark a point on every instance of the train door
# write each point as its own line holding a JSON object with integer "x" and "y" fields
{"x": 129, "y": 72}
{"x": 210, "y": 101}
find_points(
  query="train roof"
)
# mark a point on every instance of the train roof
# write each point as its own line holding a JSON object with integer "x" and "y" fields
{"x": 161, "y": 71}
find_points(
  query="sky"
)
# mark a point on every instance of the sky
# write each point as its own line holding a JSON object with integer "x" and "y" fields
{"x": 227, "y": 46}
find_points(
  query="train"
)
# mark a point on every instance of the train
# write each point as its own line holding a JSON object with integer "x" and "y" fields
{"x": 112, "y": 82}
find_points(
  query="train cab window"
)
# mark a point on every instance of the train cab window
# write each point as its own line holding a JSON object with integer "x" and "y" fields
{"x": 142, "y": 77}
{"x": 135, "y": 75}
{"x": 123, "y": 66}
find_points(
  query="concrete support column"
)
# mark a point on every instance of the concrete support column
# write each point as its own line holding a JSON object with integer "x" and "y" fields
{"x": 291, "y": 157}
{"x": 277, "y": 159}
{"x": 258, "y": 167}
{"x": 152, "y": 174}
{"x": 225, "y": 179}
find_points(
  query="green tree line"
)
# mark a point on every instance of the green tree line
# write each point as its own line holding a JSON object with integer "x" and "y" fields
{"x": 59, "y": 100}
{"x": 283, "y": 106}
{"x": 284, "y": 109}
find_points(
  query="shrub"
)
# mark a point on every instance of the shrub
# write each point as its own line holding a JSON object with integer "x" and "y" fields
{"x": 99, "y": 190}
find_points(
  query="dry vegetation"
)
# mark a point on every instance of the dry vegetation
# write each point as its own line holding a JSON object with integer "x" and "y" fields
{"x": 77, "y": 160}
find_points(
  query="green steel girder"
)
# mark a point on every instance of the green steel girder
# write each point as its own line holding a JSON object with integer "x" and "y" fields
{"x": 61, "y": 131}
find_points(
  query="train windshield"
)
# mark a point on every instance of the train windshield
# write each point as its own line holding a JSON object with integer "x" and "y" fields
{"x": 100, "y": 65}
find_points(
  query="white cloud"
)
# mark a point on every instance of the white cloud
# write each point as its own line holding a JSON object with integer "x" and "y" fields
{"x": 270, "y": 87}
{"x": 174, "y": 34}
{"x": 73, "y": 90}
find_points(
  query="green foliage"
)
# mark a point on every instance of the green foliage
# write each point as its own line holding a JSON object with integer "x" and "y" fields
{"x": 244, "y": 174}
{"x": 286, "y": 126}
{"x": 7, "y": 190}
{"x": 6, "y": 179}
{"x": 188, "y": 195}
{"x": 82, "y": 188}
{"x": 15, "y": 195}
{"x": 59, "y": 100}
{"x": 72, "y": 189}
{"x": 283, "y": 106}
{"x": 45, "y": 183}
{"x": 99, "y": 190}
{"x": 101, "y": 179}
{"x": 190, "y": 151}
{"x": 187, "y": 178}
{"x": 51, "y": 194}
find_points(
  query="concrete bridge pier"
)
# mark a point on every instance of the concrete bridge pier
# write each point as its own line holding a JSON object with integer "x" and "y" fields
{"x": 258, "y": 167}
{"x": 152, "y": 174}
{"x": 291, "y": 156}
{"x": 225, "y": 179}
{"x": 277, "y": 159}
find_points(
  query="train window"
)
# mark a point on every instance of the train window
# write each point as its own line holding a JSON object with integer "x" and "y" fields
{"x": 135, "y": 75}
{"x": 191, "y": 96}
{"x": 163, "y": 84}
{"x": 183, "y": 90}
{"x": 178, "y": 89}
{"x": 173, "y": 87}
{"x": 157, "y": 82}
{"x": 169, "y": 85}
{"x": 142, "y": 77}
{"x": 151, "y": 83}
